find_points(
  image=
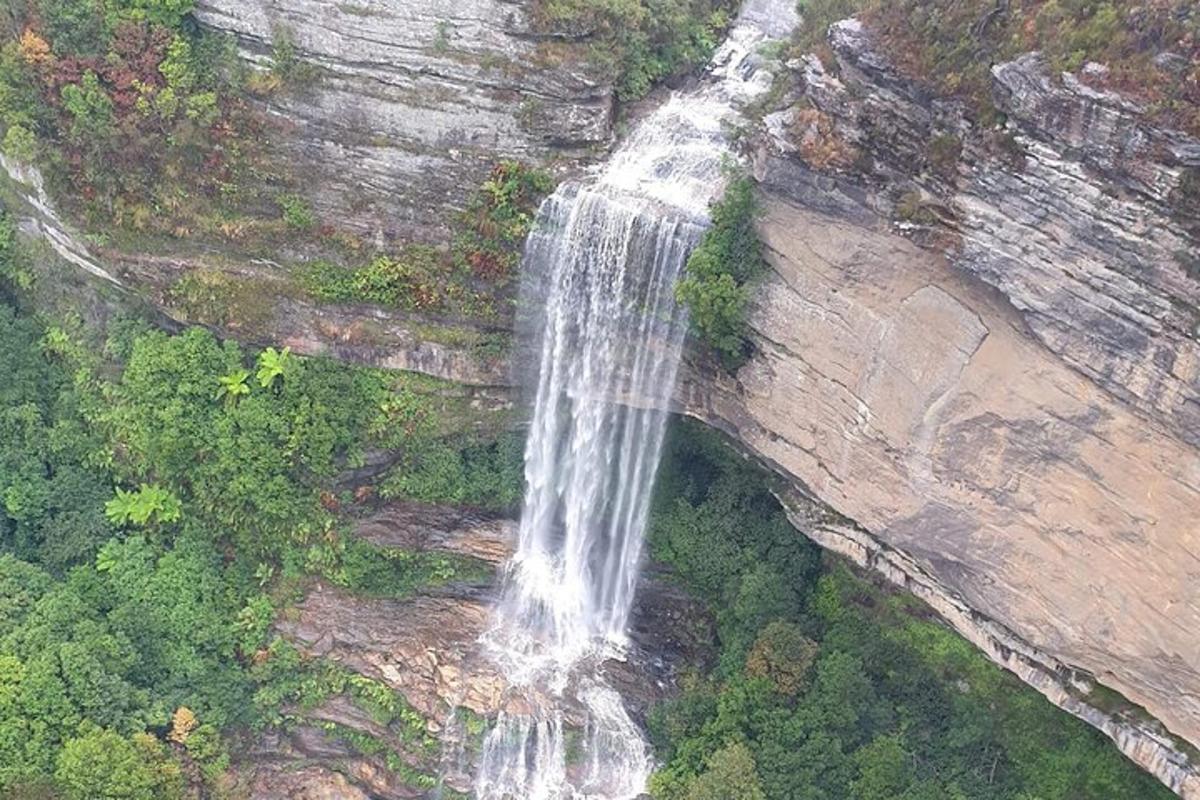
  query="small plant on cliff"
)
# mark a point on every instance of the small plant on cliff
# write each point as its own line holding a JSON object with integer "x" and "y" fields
{"x": 135, "y": 112}
{"x": 462, "y": 281}
{"x": 714, "y": 287}
{"x": 1151, "y": 50}
{"x": 296, "y": 212}
{"x": 498, "y": 218}
{"x": 642, "y": 41}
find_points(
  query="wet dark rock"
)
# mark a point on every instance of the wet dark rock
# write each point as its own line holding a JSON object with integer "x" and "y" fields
{"x": 427, "y": 648}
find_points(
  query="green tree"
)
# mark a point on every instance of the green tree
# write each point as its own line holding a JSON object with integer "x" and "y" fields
{"x": 783, "y": 655}
{"x": 19, "y": 144}
{"x": 714, "y": 286}
{"x": 76, "y": 27}
{"x": 883, "y": 770}
{"x": 167, "y": 13}
{"x": 91, "y": 110}
{"x": 731, "y": 775}
{"x": 100, "y": 764}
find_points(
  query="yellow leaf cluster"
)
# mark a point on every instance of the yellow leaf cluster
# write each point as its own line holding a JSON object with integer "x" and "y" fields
{"x": 183, "y": 722}
{"x": 34, "y": 49}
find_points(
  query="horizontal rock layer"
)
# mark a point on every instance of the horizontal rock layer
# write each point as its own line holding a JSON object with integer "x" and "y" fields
{"x": 1011, "y": 427}
{"x": 415, "y": 101}
{"x": 1075, "y": 212}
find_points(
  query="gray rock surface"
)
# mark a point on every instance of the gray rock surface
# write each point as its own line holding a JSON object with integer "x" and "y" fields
{"x": 1073, "y": 213}
{"x": 990, "y": 397}
{"x": 1009, "y": 412}
{"x": 416, "y": 101}
{"x": 427, "y": 648}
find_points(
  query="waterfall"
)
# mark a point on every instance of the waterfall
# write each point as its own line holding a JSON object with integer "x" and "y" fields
{"x": 600, "y": 271}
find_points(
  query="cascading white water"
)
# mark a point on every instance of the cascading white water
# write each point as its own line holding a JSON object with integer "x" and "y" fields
{"x": 601, "y": 268}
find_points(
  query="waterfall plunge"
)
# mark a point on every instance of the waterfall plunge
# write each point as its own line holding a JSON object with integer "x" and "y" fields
{"x": 600, "y": 270}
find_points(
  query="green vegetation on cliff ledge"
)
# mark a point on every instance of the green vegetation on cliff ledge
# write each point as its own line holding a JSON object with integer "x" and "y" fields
{"x": 828, "y": 687}
{"x": 162, "y": 498}
{"x": 1152, "y": 49}
{"x": 714, "y": 286}
{"x": 483, "y": 257}
{"x": 642, "y": 41}
{"x": 138, "y": 116}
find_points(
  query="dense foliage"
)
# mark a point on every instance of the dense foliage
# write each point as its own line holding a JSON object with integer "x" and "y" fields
{"x": 829, "y": 688}
{"x": 1151, "y": 49}
{"x": 729, "y": 256}
{"x": 161, "y": 498}
{"x": 642, "y": 41}
{"x": 139, "y": 116}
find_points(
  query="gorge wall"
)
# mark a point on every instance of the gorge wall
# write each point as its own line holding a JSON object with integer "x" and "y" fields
{"x": 981, "y": 380}
{"x": 412, "y": 103}
{"x": 1008, "y": 414}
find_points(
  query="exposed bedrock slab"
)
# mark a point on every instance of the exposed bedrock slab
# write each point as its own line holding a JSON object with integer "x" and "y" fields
{"x": 1039, "y": 513}
{"x": 1009, "y": 430}
{"x": 415, "y": 101}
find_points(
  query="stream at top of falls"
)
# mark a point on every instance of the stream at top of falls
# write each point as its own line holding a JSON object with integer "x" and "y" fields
{"x": 605, "y": 334}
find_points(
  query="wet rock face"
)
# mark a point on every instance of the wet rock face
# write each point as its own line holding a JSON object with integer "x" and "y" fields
{"x": 427, "y": 648}
{"x": 1008, "y": 413}
{"x": 415, "y": 101}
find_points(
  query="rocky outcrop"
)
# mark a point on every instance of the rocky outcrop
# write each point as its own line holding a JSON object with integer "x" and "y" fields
{"x": 1075, "y": 211}
{"x": 1041, "y": 515}
{"x": 988, "y": 363}
{"x": 415, "y": 101}
{"x": 427, "y": 648}
{"x": 253, "y": 300}
{"x": 976, "y": 370}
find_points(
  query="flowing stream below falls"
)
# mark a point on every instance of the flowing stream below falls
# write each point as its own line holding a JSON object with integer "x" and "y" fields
{"x": 601, "y": 318}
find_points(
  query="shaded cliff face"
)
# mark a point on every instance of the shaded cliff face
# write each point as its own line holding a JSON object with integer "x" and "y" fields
{"x": 415, "y": 101}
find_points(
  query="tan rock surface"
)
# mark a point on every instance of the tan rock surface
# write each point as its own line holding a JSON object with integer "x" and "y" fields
{"x": 912, "y": 401}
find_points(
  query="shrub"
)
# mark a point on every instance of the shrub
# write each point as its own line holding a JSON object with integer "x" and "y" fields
{"x": 642, "y": 41}
{"x": 783, "y": 655}
{"x": 137, "y": 111}
{"x": 498, "y": 217}
{"x": 483, "y": 257}
{"x": 714, "y": 286}
{"x": 952, "y": 45}
{"x": 296, "y": 212}
{"x": 944, "y": 152}
{"x": 19, "y": 144}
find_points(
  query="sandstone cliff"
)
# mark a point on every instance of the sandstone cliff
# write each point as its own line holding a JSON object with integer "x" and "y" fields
{"x": 980, "y": 375}
{"x": 413, "y": 102}
{"x": 1008, "y": 415}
